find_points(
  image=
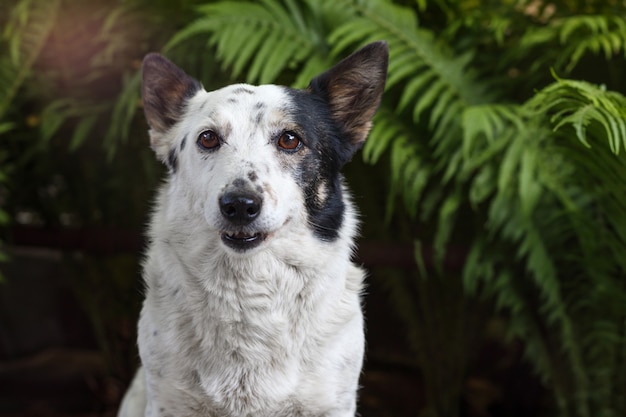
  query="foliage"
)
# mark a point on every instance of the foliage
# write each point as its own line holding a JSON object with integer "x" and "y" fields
{"x": 537, "y": 179}
{"x": 60, "y": 80}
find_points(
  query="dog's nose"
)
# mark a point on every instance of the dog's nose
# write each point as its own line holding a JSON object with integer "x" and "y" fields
{"x": 240, "y": 209}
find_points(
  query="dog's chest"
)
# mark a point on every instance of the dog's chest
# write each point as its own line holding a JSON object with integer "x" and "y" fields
{"x": 234, "y": 344}
{"x": 246, "y": 320}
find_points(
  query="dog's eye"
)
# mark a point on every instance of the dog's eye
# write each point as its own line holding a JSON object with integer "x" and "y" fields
{"x": 208, "y": 140}
{"x": 289, "y": 141}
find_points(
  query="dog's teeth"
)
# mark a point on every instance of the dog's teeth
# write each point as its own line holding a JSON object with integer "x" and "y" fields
{"x": 242, "y": 235}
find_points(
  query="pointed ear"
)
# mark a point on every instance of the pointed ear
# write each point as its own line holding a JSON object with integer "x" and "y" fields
{"x": 165, "y": 90}
{"x": 353, "y": 89}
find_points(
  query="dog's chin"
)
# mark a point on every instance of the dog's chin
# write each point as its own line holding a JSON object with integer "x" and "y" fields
{"x": 242, "y": 241}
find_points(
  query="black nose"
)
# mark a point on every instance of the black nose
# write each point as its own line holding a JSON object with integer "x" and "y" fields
{"x": 240, "y": 208}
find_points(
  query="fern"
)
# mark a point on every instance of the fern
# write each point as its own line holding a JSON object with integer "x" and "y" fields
{"x": 123, "y": 113}
{"x": 579, "y": 35}
{"x": 267, "y": 38}
{"x": 595, "y": 34}
{"x": 25, "y": 34}
{"x": 410, "y": 172}
{"x": 544, "y": 199}
{"x": 586, "y": 108}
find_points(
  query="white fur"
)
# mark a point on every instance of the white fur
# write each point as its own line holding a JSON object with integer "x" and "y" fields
{"x": 274, "y": 331}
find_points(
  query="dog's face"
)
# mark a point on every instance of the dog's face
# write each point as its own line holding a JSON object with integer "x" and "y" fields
{"x": 254, "y": 161}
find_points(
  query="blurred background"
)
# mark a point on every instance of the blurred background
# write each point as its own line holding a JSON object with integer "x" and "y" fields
{"x": 492, "y": 191}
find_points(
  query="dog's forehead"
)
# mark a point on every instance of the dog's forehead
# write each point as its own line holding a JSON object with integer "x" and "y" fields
{"x": 260, "y": 102}
{"x": 246, "y": 93}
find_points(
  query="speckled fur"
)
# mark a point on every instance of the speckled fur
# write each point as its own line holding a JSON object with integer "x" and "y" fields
{"x": 271, "y": 331}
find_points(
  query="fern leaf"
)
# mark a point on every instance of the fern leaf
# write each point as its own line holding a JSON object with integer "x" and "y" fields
{"x": 446, "y": 222}
{"x": 595, "y": 34}
{"x": 266, "y": 37}
{"x": 82, "y": 130}
{"x": 313, "y": 66}
{"x": 124, "y": 110}
{"x": 53, "y": 116}
{"x": 529, "y": 187}
{"x": 32, "y": 25}
{"x": 414, "y": 87}
{"x": 382, "y": 134}
{"x": 5, "y": 127}
{"x": 586, "y": 108}
{"x": 246, "y": 50}
{"x": 412, "y": 179}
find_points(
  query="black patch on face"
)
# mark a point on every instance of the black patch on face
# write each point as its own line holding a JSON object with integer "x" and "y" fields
{"x": 183, "y": 143}
{"x": 239, "y": 183}
{"x": 242, "y": 90}
{"x": 172, "y": 160}
{"x": 252, "y": 176}
{"x": 259, "y": 113}
{"x": 258, "y": 117}
{"x": 329, "y": 150}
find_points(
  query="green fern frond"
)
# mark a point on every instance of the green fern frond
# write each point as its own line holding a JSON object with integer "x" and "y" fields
{"x": 25, "y": 35}
{"x": 488, "y": 132}
{"x": 484, "y": 124}
{"x": 410, "y": 171}
{"x": 5, "y": 127}
{"x": 586, "y": 108}
{"x": 529, "y": 174}
{"x": 543, "y": 206}
{"x": 595, "y": 34}
{"x": 386, "y": 128}
{"x": 446, "y": 224}
{"x": 54, "y": 115}
{"x": 267, "y": 37}
{"x": 406, "y": 173}
{"x": 577, "y": 36}
{"x": 123, "y": 113}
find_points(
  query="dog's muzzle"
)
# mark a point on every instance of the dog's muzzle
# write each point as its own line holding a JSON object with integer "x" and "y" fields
{"x": 241, "y": 209}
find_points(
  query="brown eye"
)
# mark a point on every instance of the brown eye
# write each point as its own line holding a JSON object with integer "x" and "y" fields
{"x": 289, "y": 141}
{"x": 208, "y": 140}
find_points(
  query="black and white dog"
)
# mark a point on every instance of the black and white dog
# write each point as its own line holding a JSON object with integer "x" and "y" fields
{"x": 252, "y": 302}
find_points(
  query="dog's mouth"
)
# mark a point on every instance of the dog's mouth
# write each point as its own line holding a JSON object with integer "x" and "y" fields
{"x": 242, "y": 241}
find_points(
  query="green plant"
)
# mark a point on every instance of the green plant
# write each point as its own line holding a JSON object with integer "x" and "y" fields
{"x": 488, "y": 151}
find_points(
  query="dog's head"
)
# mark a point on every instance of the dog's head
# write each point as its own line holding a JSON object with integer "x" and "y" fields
{"x": 254, "y": 160}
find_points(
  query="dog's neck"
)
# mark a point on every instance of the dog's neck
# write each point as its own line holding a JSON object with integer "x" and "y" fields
{"x": 212, "y": 270}
{"x": 263, "y": 305}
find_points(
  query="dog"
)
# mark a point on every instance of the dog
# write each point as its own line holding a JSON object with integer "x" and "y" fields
{"x": 253, "y": 304}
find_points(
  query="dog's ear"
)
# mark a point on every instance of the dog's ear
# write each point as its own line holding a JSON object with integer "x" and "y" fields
{"x": 353, "y": 88}
{"x": 165, "y": 91}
